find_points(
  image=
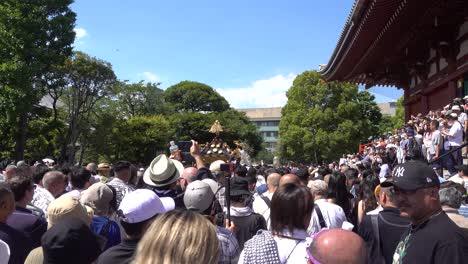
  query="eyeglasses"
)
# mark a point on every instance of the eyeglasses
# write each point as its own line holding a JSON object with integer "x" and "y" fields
{"x": 311, "y": 257}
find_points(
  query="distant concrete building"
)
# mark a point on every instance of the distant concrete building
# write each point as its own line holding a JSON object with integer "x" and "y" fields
{"x": 388, "y": 108}
{"x": 267, "y": 121}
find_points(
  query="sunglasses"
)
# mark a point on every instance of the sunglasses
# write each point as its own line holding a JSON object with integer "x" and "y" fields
{"x": 311, "y": 257}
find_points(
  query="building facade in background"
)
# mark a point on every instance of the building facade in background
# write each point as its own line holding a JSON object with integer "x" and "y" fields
{"x": 267, "y": 121}
{"x": 387, "y": 109}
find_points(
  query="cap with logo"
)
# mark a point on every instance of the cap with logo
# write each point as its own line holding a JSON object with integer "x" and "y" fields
{"x": 413, "y": 175}
{"x": 142, "y": 204}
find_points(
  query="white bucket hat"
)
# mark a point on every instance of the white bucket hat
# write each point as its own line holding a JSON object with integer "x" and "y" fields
{"x": 163, "y": 171}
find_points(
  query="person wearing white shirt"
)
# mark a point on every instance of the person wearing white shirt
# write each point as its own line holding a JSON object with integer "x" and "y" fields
{"x": 455, "y": 139}
{"x": 333, "y": 215}
{"x": 53, "y": 185}
{"x": 261, "y": 204}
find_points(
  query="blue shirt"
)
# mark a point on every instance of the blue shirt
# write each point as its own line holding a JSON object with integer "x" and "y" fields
{"x": 112, "y": 234}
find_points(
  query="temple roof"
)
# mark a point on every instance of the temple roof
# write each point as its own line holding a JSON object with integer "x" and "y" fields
{"x": 382, "y": 41}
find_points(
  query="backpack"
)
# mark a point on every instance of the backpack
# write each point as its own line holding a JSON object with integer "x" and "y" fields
{"x": 414, "y": 151}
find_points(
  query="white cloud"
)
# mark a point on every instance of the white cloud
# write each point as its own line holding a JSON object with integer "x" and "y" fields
{"x": 80, "y": 33}
{"x": 261, "y": 93}
{"x": 149, "y": 76}
{"x": 380, "y": 98}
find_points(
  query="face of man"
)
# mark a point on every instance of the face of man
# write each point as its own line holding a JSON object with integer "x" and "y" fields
{"x": 416, "y": 203}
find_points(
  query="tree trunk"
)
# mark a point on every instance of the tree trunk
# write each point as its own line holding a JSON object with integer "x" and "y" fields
{"x": 21, "y": 136}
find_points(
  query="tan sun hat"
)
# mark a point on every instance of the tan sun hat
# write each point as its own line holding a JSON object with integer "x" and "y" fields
{"x": 163, "y": 171}
{"x": 66, "y": 206}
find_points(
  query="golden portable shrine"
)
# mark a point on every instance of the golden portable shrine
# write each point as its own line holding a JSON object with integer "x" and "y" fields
{"x": 217, "y": 149}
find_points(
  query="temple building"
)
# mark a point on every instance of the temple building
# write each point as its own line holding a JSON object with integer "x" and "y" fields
{"x": 420, "y": 46}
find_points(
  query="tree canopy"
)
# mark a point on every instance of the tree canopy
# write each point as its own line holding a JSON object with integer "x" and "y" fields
{"x": 195, "y": 97}
{"x": 34, "y": 36}
{"x": 321, "y": 121}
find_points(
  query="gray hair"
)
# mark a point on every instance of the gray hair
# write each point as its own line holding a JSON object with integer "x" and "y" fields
{"x": 52, "y": 177}
{"x": 450, "y": 197}
{"x": 318, "y": 187}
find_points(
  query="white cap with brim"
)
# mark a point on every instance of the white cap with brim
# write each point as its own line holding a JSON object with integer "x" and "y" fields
{"x": 142, "y": 204}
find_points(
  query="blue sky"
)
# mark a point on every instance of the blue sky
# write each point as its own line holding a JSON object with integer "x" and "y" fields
{"x": 248, "y": 50}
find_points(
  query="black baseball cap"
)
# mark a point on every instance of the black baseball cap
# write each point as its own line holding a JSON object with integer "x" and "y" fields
{"x": 413, "y": 175}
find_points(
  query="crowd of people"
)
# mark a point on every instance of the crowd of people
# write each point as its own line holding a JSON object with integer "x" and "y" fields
{"x": 428, "y": 138}
{"x": 364, "y": 209}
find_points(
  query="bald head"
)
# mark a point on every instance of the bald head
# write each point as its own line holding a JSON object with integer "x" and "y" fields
{"x": 338, "y": 246}
{"x": 54, "y": 182}
{"x": 190, "y": 174}
{"x": 273, "y": 182}
{"x": 91, "y": 167}
{"x": 289, "y": 178}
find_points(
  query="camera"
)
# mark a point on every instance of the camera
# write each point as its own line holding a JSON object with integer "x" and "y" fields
{"x": 227, "y": 167}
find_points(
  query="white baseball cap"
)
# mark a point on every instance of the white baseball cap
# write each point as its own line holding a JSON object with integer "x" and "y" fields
{"x": 213, "y": 185}
{"x": 142, "y": 204}
{"x": 198, "y": 196}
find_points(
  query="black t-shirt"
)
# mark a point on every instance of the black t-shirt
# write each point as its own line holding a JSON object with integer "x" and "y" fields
{"x": 438, "y": 240}
{"x": 391, "y": 228}
{"x": 119, "y": 254}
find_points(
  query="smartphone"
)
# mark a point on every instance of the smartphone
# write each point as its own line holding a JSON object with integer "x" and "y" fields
{"x": 227, "y": 167}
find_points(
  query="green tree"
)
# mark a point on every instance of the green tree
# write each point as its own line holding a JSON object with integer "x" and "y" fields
{"x": 88, "y": 80}
{"x": 370, "y": 111}
{"x": 140, "y": 139}
{"x": 265, "y": 156}
{"x": 390, "y": 123}
{"x": 321, "y": 121}
{"x": 34, "y": 36}
{"x": 195, "y": 97}
{"x": 138, "y": 99}
{"x": 399, "y": 118}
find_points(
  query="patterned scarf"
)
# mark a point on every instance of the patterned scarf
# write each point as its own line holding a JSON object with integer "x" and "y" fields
{"x": 261, "y": 249}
